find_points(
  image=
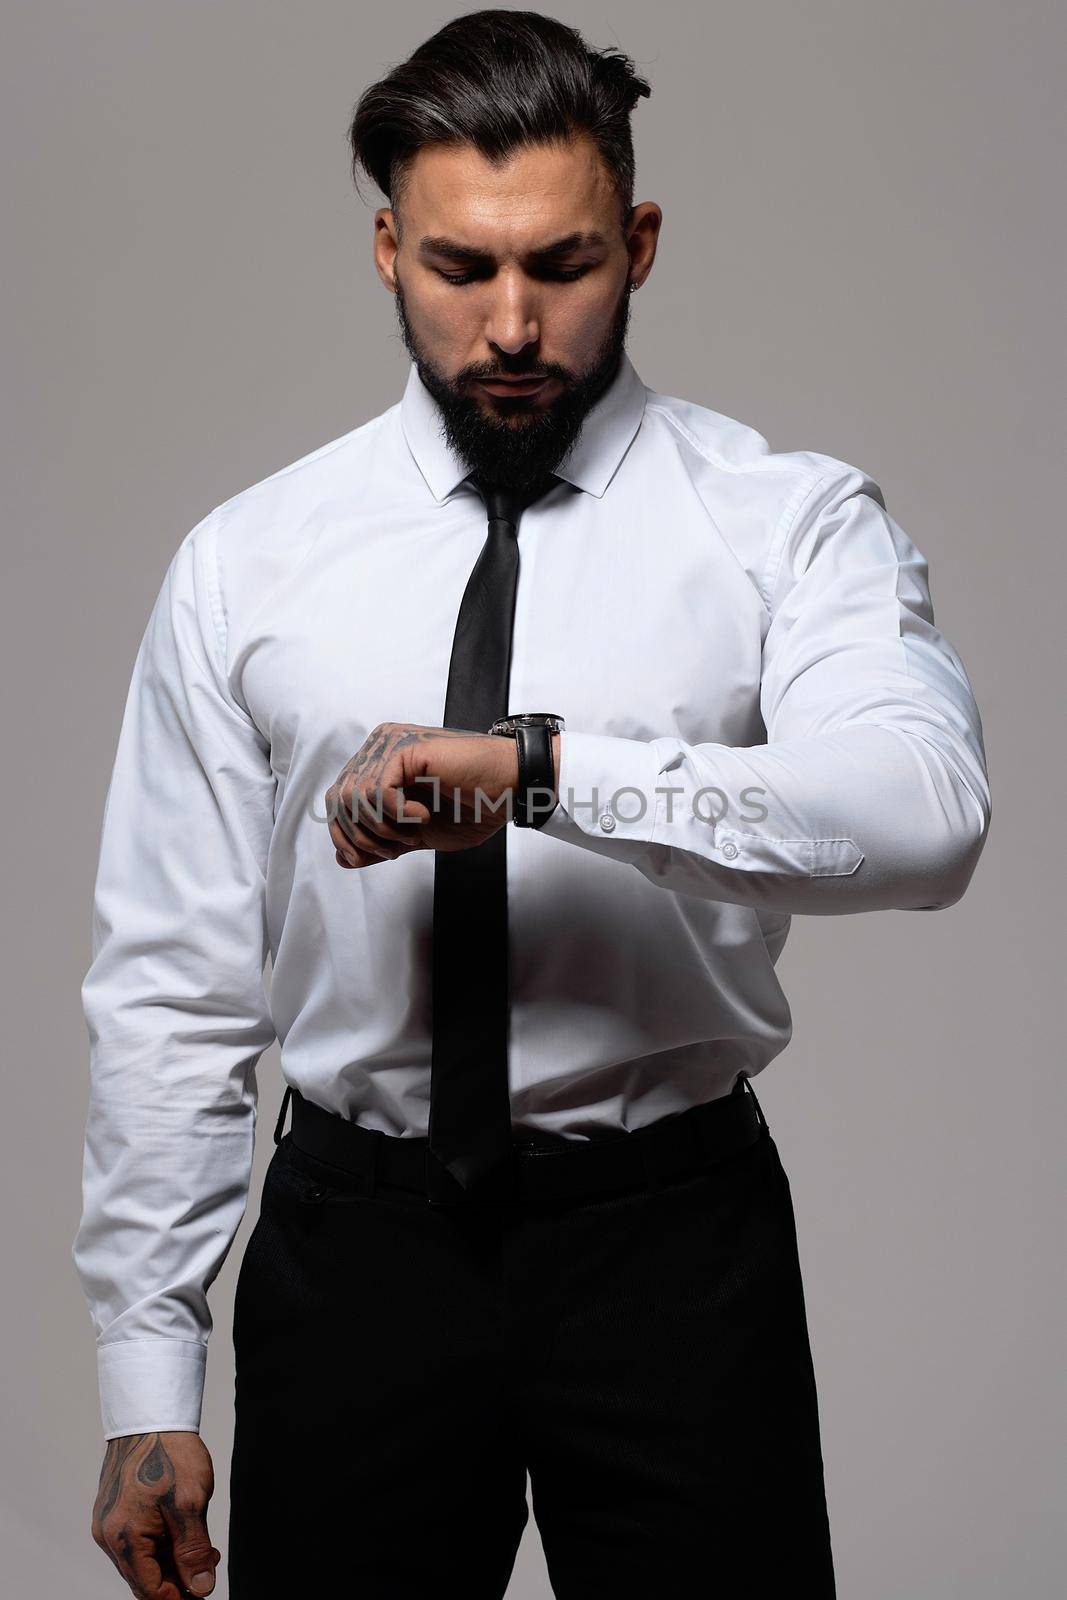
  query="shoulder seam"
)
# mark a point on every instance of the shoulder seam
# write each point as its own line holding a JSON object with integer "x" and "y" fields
{"x": 213, "y": 582}
{"x": 786, "y": 522}
{"x": 793, "y": 506}
{"x": 691, "y": 438}
{"x": 207, "y": 532}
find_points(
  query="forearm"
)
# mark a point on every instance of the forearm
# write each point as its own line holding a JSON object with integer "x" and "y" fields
{"x": 867, "y": 818}
{"x": 870, "y": 792}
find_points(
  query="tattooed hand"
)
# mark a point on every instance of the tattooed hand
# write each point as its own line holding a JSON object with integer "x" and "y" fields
{"x": 150, "y": 1510}
{"x": 413, "y": 788}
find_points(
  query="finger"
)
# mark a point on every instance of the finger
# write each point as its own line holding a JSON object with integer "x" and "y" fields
{"x": 351, "y": 830}
{"x": 133, "y": 1553}
{"x": 405, "y": 812}
{"x": 357, "y": 859}
{"x": 178, "y": 1583}
{"x": 339, "y": 816}
{"x": 376, "y": 843}
{"x": 343, "y": 845}
{"x": 370, "y": 840}
{"x": 356, "y": 855}
{"x": 194, "y": 1556}
{"x": 387, "y": 815}
{"x": 383, "y": 807}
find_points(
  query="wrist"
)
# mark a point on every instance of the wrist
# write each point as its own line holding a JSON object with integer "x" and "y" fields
{"x": 535, "y": 739}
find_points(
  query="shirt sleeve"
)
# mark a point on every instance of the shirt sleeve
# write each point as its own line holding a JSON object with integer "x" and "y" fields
{"x": 174, "y": 1003}
{"x": 871, "y": 790}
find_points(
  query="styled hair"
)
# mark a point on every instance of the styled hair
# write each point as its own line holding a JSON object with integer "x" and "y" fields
{"x": 501, "y": 81}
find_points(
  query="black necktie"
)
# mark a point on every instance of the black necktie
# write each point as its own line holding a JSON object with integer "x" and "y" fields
{"x": 470, "y": 1109}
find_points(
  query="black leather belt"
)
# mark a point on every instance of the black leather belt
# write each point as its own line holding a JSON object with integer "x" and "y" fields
{"x": 544, "y": 1166}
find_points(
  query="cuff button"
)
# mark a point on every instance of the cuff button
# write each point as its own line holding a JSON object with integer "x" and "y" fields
{"x": 729, "y": 851}
{"x": 607, "y": 821}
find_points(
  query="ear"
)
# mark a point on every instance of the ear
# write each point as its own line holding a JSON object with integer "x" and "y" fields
{"x": 386, "y": 245}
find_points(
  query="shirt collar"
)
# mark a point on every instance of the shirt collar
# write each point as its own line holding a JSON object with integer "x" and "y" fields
{"x": 607, "y": 432}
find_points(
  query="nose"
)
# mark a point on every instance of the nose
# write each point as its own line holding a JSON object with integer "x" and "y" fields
{"x": 512, "y": 322}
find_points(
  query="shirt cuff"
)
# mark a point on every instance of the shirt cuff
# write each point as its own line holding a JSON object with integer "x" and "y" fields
{"x": 151, "y": 1386}
{"x": 607, "y": 790}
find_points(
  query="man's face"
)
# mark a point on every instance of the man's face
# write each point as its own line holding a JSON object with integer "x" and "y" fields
{"x": 517, "y": 272}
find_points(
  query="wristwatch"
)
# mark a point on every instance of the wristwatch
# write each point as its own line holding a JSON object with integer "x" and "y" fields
{"x": 532, "y": 732}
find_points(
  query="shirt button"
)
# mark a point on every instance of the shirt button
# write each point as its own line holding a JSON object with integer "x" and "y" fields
{"x": 729, "y": 851}
{"x": 607, "y": 821}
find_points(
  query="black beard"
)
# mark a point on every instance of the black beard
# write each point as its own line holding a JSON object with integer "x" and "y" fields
{"x": 509, "y": 454}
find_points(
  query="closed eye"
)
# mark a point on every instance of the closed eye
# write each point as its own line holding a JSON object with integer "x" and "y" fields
{"x": 561, "y": 275}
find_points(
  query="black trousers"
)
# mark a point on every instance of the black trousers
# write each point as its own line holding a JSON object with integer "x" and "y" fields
{"x": 644, "y": 1357}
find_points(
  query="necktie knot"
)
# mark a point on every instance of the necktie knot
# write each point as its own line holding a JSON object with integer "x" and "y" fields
{"x": 508, "y": 504}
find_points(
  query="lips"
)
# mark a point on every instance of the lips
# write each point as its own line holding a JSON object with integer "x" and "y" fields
{"x": 513, "y": 386}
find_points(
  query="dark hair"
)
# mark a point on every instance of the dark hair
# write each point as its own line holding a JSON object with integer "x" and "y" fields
{"x": 498, "y": 80}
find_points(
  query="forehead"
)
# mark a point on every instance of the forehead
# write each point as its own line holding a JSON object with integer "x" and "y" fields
{"x": 538, "y": 194}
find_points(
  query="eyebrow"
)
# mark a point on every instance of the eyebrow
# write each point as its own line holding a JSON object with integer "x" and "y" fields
{"x": 455, "y": 251}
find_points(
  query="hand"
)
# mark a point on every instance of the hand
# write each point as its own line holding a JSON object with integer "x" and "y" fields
{"x": 373, "y": 809}
{"x": 149, "y": 1516}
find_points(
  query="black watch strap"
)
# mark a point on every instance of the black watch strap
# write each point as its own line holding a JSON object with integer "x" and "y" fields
{"x": 536, "y": 774}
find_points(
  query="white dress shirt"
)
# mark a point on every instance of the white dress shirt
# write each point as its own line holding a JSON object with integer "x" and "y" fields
{"x": 743, "y": 646}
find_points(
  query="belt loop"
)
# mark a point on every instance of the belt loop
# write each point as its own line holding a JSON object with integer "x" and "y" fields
{"x": 280, "y": 1124}
{"x": 759, "y": 1109}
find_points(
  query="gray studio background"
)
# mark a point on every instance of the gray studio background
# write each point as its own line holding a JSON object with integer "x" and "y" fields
{"x": 862, "y": 254}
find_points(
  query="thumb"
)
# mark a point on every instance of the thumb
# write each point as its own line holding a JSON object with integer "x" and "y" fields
{"x": 195, "y": 1558}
